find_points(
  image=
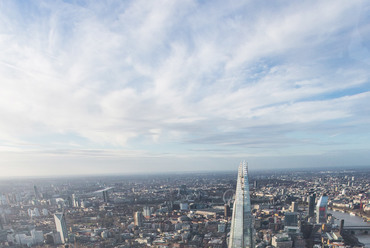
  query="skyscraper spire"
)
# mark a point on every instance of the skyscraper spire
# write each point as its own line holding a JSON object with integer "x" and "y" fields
{"x": 241, "y": 234}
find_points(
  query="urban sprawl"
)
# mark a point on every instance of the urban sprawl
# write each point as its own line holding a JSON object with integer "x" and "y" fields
{"x": 288, "y": 208}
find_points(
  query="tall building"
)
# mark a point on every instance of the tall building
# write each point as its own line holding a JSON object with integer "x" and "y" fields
{"x": 321, "y": 209}
{"x": 146, "y": 211}
{"x": 105, "y": 196}
{"x": 294, "y": 207}
{"x": 227, "y": 211}
{"x": 61, "y": 226}
{"x": 138, "y": 219}
{"x": 241, "y": 233}
{"x": 36, "y": 192}
{"x": 75, "y": 201}
{"x": 311, "y": 205}
{"x": 182, "y": 190}
{"x": 3, "y": 235}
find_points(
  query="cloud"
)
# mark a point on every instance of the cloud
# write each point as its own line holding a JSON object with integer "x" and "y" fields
{"x": 182, "y": 74}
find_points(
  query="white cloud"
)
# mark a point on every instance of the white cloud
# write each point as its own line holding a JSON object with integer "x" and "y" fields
{"x": 138, "y": 75}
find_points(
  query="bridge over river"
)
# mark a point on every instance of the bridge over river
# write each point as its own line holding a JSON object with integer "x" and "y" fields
{"x": 357, "y": 229}
{"x": 355, "y": 225}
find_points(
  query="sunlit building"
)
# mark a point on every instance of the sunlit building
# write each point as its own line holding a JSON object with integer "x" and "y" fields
{"x": 321, "y": 209}
{"x": 61, "y": 226}
{"x": 241, "y": 234}
{"x": 146, "y": 211}
{"x": 138, "y": 218}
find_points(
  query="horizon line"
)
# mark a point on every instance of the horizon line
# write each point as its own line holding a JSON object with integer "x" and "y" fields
{"x": 208, "y": 171}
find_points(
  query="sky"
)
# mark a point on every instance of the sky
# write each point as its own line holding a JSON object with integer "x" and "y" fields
{"x": 118, "y": 87}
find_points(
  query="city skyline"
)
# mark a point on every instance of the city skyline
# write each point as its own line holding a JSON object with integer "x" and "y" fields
{"x": 132, "y": 87}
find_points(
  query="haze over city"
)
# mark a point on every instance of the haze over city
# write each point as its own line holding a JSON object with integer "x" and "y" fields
{"x": 152, "y": 86}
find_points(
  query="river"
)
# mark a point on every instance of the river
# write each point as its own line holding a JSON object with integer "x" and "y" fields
{"x": 350, "y": 220}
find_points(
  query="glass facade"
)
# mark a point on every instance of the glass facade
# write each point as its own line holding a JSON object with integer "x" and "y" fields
{"x": 321, "y": 209}
{"x": 60, "y": 223}
{"x": 241, "y": 233}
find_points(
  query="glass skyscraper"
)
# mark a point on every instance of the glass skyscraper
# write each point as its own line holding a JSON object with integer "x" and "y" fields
{"x": 241, "y": 233}
{"x": 60, "y": 223}
{"x": 321, "y": 209}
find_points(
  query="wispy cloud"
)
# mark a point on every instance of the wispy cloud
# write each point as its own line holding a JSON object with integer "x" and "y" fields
{"x": 184, "y": 77}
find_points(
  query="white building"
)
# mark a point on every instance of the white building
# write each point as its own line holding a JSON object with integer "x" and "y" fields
{"x": 61, "y": 226}
{"x": 45, "y": 212}
{"x": 146, "y": 212}
{"x": 37, "y": 236}
{"x": 23, "y": 239}
{"x": 36, "y": 212}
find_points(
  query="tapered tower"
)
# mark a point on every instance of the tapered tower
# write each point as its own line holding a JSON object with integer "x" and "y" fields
{"x": 61, "y": 226}
{"x": 241, "y": 233}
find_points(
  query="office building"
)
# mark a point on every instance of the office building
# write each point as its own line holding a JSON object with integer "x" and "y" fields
{"x": 36, "y": 192}
{"x": 105, "y": 196}
{"x": 53, "y": 238}
{"x": 282, "y": 241}
{"x": 138, "y": 219}
{"x": 146, "y": 211}
{"x": 75, "y": 201}
{"x": 3, "y": 235}
{"x": 37, "y": 236}
{"x": 321, "y": 209}
{"x": 61, "y": 226}
{"x": 241, "y": 233}
{"x": 294, "y": 207}
{"x": 311, "y": 205}
{"x": 227, "y": 211}
{"x": 291, "y": 219}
